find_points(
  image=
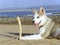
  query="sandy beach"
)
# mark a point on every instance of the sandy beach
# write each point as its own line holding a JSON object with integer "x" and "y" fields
{"x": 9, "y": 35}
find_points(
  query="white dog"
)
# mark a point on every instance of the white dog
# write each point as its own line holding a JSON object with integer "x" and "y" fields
{"x": 44, "y": 23}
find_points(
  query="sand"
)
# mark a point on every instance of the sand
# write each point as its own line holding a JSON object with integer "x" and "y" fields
{"x": 9, "y": 35}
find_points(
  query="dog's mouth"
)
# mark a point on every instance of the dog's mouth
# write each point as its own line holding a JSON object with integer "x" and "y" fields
{"x": 36, "y": 25}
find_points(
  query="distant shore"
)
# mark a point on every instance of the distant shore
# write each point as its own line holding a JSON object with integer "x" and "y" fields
{"x": 14, "y": 10}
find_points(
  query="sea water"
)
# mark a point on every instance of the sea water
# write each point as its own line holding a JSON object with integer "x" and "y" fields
{"x": 25, "y": 13}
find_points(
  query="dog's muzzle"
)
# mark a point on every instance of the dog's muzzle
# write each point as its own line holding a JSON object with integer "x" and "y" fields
{"x": 35, "y": 24}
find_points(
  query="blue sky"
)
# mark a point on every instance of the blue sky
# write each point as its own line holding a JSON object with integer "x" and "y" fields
{"x": 4, "y": 4}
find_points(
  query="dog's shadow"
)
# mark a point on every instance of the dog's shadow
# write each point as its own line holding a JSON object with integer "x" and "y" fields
{"x": 5, "y": 35}
{"x": 16, "y": 35}
{"x": 23, "y": 34}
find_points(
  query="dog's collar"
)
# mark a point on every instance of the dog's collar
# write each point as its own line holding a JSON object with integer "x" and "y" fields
{"x": 43, "y": 24}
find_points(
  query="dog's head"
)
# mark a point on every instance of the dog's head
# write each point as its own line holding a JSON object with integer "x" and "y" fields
{"x": 37, "y": 16}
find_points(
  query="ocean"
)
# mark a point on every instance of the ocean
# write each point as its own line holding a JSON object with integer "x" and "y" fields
{"x": 26, "y": 13}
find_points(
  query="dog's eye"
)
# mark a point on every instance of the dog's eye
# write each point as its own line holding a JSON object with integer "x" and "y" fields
{"x": 38, "y": 17}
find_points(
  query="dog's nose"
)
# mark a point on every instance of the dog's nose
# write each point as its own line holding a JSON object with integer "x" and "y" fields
{"x": 32, "y": 21}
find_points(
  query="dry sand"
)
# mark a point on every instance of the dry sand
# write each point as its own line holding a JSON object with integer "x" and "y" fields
{"x": 9, "y": 36}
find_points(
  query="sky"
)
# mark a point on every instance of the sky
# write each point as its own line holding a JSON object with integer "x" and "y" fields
{"x": 6, "y": 4}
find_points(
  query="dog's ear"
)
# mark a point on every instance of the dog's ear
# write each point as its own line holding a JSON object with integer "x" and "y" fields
{"x": 34, "y": 11}
{"x": 41, "y": 10}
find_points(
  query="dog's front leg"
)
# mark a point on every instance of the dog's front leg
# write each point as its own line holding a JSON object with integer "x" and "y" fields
{"x": 41, "y": 32}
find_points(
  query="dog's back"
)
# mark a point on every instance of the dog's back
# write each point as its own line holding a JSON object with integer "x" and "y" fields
{"x": 55, "y": 33}
{"x": 49, "y": 26}
{"x": 52, "y": 29}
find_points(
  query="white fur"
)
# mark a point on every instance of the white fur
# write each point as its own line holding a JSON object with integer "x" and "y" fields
{"x": 57, "y": 33}
{"x": 43, "y": 20}
{"x": 47, "y": 27}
